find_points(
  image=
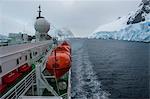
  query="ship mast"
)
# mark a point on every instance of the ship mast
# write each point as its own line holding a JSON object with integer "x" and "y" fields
{"x": 39, "y": 13}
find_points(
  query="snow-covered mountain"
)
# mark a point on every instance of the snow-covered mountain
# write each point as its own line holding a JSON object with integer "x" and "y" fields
{"x": 61, "y": 33}
{"x": 142, "y": 13}
{"x": 133, "y": 27}
{"x": 67, "y": 33}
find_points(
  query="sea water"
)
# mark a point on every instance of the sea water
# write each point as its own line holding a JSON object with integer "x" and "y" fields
{"x": 110, "y": 69}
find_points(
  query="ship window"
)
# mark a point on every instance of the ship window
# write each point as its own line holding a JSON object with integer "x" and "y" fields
{"x": 35, "y": 53}
{"x": 26, "y": 57}
{"x": 0, "y": 69}
{"x": 31, "y": 55}
{"x": 17, "y": 61}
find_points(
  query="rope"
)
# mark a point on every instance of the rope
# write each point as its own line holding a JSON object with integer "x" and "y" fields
{"x": 54, "y": 70}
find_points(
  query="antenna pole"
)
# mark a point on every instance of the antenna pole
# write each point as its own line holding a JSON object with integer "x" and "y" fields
{"x": 39, "y": 11}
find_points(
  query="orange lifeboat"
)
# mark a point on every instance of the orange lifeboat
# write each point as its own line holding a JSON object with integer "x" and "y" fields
{"x": 59, "y": 62}
{"x": 58, "y": 65}
{"x": 65, "y": 44}
{"x": 66, "y": 48}
{"x": 61, "y": 49}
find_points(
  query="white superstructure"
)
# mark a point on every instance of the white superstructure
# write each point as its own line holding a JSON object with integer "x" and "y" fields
{"x": 18, "y": 38}
{"x": 22, "y": 68}
{"x": 11, "y": 57}
{"x": 42, "y": 26}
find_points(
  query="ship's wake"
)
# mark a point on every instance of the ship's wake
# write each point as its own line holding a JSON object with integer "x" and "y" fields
{"x": 84, "y": 81}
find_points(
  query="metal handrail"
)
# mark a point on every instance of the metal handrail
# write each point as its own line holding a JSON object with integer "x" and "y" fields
{"x": 24, "y": 83}
{"x": 69, "y": 85}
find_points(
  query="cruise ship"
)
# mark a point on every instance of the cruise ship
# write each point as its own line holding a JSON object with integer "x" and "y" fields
{"x": 37, "y": 70}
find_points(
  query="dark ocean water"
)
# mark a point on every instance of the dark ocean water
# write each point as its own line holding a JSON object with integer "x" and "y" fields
{"x": 111, "y": 69}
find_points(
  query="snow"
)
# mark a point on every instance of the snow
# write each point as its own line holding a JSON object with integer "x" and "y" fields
{"x": 113, "y": 26}
{"x": 147, "y": 17}
{"x": 132, "y": 32}
{"x": 67, "y": 33}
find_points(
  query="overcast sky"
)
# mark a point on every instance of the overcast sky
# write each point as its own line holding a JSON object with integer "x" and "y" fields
{"x": 82, "y": 17}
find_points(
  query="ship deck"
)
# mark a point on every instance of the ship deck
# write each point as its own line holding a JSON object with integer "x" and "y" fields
{"x": 9, "y": 50}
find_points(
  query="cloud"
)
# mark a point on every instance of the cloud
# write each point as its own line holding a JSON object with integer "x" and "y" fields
{"x": 81, "y": 16}
{"x": 13, "y": 25}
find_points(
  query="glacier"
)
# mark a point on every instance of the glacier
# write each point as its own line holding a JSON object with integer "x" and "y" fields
{"x": 132, "y": 32}
{"x": 61, "y": 34}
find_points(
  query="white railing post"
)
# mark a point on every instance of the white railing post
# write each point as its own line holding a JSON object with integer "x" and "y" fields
{"x": 32, "y": 84}
{"x": 16, "y": 92}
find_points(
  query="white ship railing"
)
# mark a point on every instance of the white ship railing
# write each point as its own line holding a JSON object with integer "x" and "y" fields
{"x": 40, "y": 97}
{"x": 69, "y": 85}
{"x": 20, "y": 87}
